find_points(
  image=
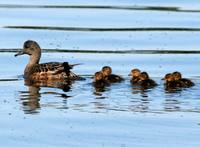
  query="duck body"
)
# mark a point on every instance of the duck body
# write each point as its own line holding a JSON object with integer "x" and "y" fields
{"x": 50, "y": 71}
{"x": 45, "y": 71}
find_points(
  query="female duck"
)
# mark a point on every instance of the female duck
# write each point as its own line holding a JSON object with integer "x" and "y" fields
{"x": 109, "y": 77}
{"x": 45, "y": 71}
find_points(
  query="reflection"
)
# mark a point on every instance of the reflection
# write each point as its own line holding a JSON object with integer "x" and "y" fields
{"x": 172, "y": 105}
{"x": 137, "y": 89}
{"x": 100, "y": 87}
{"x": 140, "y": 104}
{"x": 31, "y": 99}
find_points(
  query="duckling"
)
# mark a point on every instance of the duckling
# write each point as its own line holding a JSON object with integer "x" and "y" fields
{"x": 145, "y": 81}
{"x": 135, "y": 73}
{"x": 45, "y": 71}
{"x": 184, "y": 82}
{"x": 109, "y": 77}
{"x": 170, "y": 83}
{"x": 99, "y": 83}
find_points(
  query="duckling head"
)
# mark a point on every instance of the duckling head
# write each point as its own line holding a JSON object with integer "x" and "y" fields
{"x": 106, "y": 70}
{"x": 177, "y": 75}
{"x": 30, "y": 48}
{"x": 98, "y": 76}
{"x": 144, "y": 76}
{"x": 168, "y": 77}
{"x": 135, "y": 73}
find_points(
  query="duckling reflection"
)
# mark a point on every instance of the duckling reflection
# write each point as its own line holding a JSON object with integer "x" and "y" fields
{"x": 31, "y": 98}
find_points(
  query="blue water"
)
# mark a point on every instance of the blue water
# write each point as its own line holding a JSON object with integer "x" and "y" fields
{"x": 155, "y": 36}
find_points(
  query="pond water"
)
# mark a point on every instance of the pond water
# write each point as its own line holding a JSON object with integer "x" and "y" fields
{"x": 155, "y": 36}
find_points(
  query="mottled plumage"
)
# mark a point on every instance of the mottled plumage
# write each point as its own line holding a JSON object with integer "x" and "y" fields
{"x": 45, "y": 71}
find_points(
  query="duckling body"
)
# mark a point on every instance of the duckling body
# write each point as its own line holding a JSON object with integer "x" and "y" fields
{"x": 187, "y": 82}
{"x": 45, "y": 71}
{"x": 148, "y": 83}
{"x": 113, "y": 78}
{"x": 145, "y": 81}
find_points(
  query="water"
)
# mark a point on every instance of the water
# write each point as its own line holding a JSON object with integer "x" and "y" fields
{"x": 155, "y": 36}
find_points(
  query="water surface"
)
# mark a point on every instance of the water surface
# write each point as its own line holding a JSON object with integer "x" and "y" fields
{"x": 155, "y": 36}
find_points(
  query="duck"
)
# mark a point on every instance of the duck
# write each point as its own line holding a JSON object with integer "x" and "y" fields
{"x": 135, "y": 73}
{"x": 109, "y": 77}
{"x": 45, "y": 71}
{"x": 145, "y": 81}
{"x": 183, "y": 81}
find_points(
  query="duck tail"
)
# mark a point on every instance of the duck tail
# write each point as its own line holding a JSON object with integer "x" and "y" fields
{"x": 72, "y": 65}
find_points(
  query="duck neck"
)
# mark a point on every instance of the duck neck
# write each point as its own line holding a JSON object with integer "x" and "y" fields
{"x": 34, "y": 60}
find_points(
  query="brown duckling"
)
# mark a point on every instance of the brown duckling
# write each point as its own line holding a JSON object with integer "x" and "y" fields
{"x": 46, "y": 71}
{"x": 183, "y": 81}
{"x": 109, "y": 77}
{"x": 99, "y": 81}
{"x": 135, "y": 74}
{"x": 170, "y": 83}
{"x": 145, "y": 81}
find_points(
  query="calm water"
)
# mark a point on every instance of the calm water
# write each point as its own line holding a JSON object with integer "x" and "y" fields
{"x": 155, "y": 36}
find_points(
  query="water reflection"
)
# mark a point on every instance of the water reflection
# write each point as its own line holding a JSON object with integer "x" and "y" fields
{"x": 31, "y": 98}
{"x": 100, "y": 87}
{"x": 91, "y": 98}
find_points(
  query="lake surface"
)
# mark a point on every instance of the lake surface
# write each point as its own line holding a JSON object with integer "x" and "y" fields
{"x": 155, "y": 36}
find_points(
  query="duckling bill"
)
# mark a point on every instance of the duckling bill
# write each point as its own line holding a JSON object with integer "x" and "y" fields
{"x": 46, "y": 71}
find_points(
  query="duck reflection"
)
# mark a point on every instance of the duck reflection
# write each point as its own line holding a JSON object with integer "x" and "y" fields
{"x": 31, "y": 99}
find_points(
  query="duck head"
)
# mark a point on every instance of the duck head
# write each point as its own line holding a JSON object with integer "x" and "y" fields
{"x": 30, "y": 48}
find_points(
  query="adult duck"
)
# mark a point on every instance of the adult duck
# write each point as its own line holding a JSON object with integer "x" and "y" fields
{"x": 45, "y": 71}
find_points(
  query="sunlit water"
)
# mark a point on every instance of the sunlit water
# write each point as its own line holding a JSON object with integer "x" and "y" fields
{"x": 157, "y": 37}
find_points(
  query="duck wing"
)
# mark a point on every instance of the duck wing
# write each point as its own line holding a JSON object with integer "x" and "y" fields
{"x": 54, "y": 69}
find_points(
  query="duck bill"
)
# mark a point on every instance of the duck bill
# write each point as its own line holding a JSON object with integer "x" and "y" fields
{"x": 19, "y": 53}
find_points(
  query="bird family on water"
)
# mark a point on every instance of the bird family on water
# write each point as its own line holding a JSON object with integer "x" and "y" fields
{"x": 57, "y": 71}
